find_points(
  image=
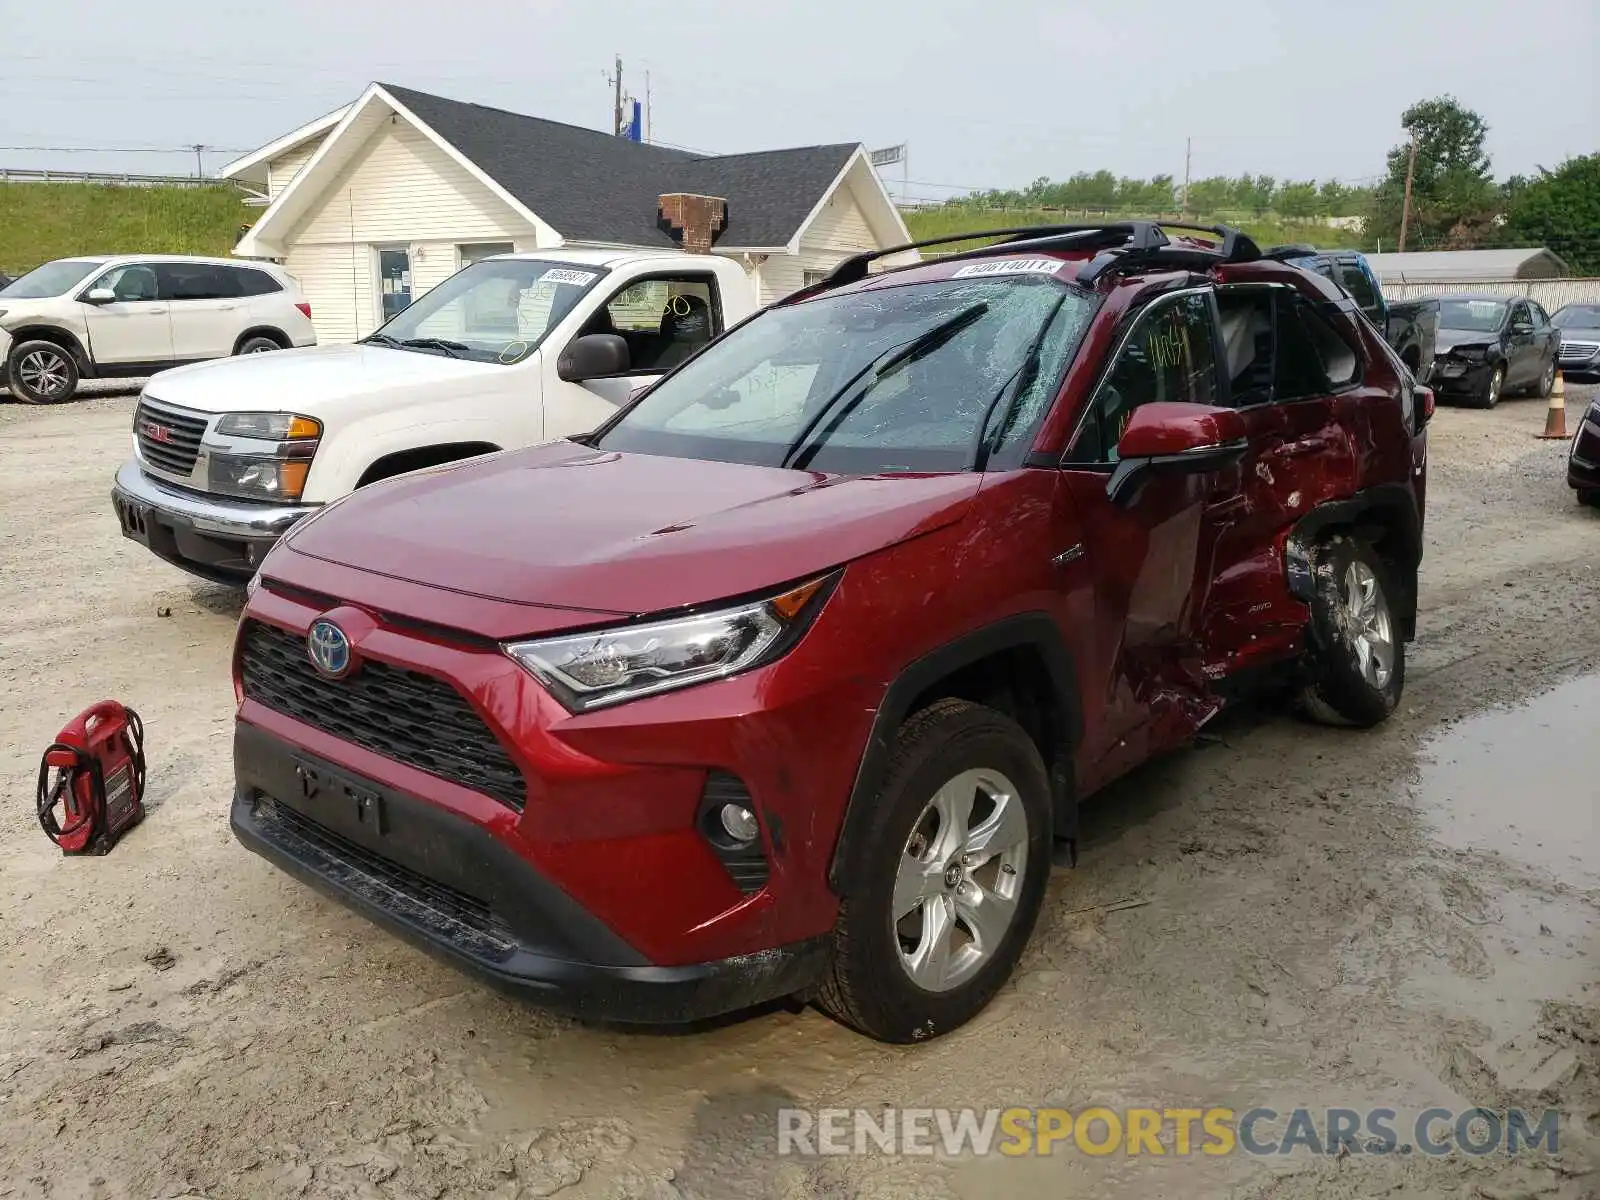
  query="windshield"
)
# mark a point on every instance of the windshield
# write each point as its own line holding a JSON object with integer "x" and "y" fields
{"x": 941, "y": 376}
{"x": 1577, "y": 316}
{"x": 1473, "y": 316}
{"x": 52, "y": 279}
{"x": 495, "y": 311}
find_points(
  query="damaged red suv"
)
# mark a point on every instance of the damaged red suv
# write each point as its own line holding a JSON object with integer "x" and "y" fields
{"x": 789, "y": 680}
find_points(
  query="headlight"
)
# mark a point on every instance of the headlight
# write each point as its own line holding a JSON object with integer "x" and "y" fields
{"x": 258, "y": 477}
{"x": 269, "y": 427}
{"x": 1471, "y": 353}
{"x": 590, "y": 670}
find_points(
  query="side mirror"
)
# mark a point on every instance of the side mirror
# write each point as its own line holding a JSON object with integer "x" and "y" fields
{"x": 1187, "y": 439}
{"x": 1522, "y": 327}
{"x": 100, "y": 296}
{"x": 592, "y": 356}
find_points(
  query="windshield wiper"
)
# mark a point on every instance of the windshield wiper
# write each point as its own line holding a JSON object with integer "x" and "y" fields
{"x": 453, "y": 349}
{"x": 983, "y": 445}
{"x": 379, "y": 339}
{"x": 879, "y": 368}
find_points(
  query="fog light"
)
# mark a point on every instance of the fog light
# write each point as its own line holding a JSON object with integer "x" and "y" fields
{"x": 739, "y": 822}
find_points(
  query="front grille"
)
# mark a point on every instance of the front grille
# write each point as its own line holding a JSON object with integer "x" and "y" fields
{"x": 463, "y": 919}
{"x": 1577, "y": 351}
{"x": 404, "y": 715}
{"x": 168, "y": 436}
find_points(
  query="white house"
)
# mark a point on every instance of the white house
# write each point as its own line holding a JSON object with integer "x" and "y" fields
{"x": 371, "y": 205}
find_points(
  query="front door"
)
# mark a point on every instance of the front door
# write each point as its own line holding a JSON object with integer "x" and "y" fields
{"x": 1151, "y": 559}
{"x": 132, "y": 332}
{"x": 394, "y": 281}
{"x": 664, "y": 319}
{"x": 206, "y": 312}
{"x": 1522, "y": 355}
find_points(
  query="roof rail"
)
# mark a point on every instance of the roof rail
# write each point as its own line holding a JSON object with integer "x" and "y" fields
{"x": 1292, "y": 250}
{"x": 1122, "y": 245}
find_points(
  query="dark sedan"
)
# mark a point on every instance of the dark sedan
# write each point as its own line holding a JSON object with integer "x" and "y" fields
{"x": 1490, "y": 346}
{"x": 1583, "y": 463}
{"x": 1579, "y": 326}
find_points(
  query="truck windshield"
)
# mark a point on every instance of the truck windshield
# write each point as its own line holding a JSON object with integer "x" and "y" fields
{"x": 941, "y": 376}
{"x": 53, "y": 279}
{"x": 495, "y": 311}
{"x": 1472, "y": 316}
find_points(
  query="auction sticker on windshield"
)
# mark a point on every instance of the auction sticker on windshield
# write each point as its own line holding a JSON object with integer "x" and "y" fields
{"x": 567, "y": 275}
{"x": 1011, "y": 266}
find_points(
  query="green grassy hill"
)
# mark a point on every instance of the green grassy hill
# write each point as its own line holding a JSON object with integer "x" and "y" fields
{"x": 42, "y": 221}
{"x": 1269, "y": 231}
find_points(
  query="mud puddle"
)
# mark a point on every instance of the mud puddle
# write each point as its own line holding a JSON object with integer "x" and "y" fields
{"x": 1523, "y": 783}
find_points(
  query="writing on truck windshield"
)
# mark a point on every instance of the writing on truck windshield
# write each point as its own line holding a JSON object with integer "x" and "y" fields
{"x": 941, "y": 376}
{"x": 495, "y": 311}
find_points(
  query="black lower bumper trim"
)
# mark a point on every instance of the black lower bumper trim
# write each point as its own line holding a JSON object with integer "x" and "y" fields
{"x": 487, "y": 936}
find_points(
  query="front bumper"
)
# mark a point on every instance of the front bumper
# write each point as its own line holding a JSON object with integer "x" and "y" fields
{"x": 1453, "y": 377}
{"x": 218, "y": 539}
{"x": 451, "y": 887}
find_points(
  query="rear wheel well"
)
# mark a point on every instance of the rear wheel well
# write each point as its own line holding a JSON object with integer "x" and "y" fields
{"x": 59, "y": 337}
{"x": 266, "y": 331}
{"x": 419, "y": 457}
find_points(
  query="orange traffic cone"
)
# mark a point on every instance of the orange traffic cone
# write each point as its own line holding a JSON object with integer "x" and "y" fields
{"x": 1555, "y": 417}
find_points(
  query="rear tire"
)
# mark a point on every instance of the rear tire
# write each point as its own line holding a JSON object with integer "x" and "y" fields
{"x": 1547, "y": 382}
{"x": 41, "y": 372}
{"x": 1357, "y": 661}
{"x": 1589, "y": 497}
{"x": 959, "y": 841}
{"x": 259, "y": 344}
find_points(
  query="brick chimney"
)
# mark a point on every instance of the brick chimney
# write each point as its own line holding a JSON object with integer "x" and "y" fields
{"x": 694, "y": 222}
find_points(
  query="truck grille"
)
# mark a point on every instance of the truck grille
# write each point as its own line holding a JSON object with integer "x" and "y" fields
{"x": 168, "y": 436}
{"x": 403, "y": 715}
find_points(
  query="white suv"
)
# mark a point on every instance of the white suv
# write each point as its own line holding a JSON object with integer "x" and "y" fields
{"x": 131, "y": 316}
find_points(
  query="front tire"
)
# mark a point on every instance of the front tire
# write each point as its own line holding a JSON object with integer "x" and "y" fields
{"x": 1490, "y": 396}
{"x": 949, "y": 878}
{"x": 1357, "y": 661}
{"x": 42, "y": 372}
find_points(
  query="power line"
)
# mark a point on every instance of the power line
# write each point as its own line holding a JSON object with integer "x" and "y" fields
{"x": 189, "y": 149}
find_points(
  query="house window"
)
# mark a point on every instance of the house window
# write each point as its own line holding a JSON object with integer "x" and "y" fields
{"x": 469, "y": 254}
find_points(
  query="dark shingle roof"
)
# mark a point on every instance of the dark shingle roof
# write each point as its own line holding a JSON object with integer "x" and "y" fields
{"x": 593, "y": 187}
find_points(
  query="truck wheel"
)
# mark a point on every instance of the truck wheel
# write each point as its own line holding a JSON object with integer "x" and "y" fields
{"x": 42, "y": 373}
{"x": 949, "y": 880}
{"x": 1490, "y": 395}
{"x": 1357, "y": 660}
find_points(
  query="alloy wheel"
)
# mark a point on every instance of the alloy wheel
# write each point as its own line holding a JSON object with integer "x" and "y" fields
{"x": 1494, "y": 386}
{"x": 1367, "y": 627}
{"x": 43, "y": 372}
{"x": 960, "y": 878}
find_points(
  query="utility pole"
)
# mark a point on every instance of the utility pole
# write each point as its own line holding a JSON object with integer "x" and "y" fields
{"x": 1188, "y": 159}
{"x": 199, "y": 168}
{"x": 616, "y": 122}
{"x": 647, "y": 106}
{"x": 1405, "y": 211}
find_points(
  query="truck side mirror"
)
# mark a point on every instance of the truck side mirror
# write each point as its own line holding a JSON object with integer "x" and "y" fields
{"x": 593, "y": 356}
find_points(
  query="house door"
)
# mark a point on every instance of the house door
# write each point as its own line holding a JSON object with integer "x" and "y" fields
{"x": 394, "y": 281}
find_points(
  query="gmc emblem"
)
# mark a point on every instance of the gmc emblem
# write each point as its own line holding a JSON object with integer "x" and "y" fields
{"x": 157, "y": 433}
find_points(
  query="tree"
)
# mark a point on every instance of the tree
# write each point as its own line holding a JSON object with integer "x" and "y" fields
{"x": 1561, "y": 210}
{"x": 1299, "y": 199}
{"x": 1452, "y": 183}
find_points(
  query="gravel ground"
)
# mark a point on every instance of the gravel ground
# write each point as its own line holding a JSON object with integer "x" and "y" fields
{"x": 1318, "y": 918}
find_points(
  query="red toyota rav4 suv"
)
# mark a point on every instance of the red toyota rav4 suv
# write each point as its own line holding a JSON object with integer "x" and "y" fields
{"x": 788, "y": 681}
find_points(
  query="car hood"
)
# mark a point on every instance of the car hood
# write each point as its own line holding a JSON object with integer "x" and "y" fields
{"x": 564, "y": 525}
{"x": 1449, "y": 339}
{"x": 299, "y": 379}
{"x": 1580, "y": 333}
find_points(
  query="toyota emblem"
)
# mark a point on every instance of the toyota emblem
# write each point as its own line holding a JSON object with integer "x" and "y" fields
{"x": 329, "y": 649}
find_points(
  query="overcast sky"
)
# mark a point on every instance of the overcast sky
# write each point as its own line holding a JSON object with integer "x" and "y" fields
{"x": 986, "y": 95}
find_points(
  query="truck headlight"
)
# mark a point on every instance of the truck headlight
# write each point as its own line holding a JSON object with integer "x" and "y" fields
{"x": 269, "y": 426}
{"x": 258, "y": 477}
{"x": 608, "y": 666}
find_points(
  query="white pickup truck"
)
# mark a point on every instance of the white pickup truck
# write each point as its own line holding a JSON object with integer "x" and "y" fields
{"x": 510, "y": 351}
